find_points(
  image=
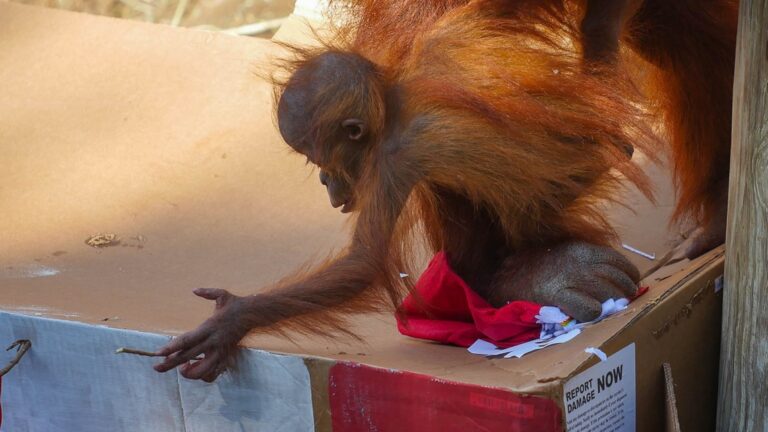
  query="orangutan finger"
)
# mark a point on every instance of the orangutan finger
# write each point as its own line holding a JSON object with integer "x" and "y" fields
{"x": 193, "y": 352}
{"x": 180, "y": 357}
{"x": 213, "y": 375}
{"x": 703, "y": 243}
{"x": 202, "y": 368}
{"x": 623, "y": 283}
{"x": 578, "y": 304}
{"x": 182, "y": 342}
{"x": 599, "y": 288}
{"x": 166, "y": 365}
{"x": 210, "y": 293}
{"x": 611, "y": 257}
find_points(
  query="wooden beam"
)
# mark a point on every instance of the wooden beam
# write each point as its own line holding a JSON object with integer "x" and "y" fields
{"x": 743, "y": 397}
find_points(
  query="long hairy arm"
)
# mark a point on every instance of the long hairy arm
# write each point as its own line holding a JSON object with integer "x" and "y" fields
{"x": 317, "y": 301}
{"x": 362, "y": 278}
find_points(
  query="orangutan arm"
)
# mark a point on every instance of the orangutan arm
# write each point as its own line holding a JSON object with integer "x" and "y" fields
{"x": 364, "y": 278}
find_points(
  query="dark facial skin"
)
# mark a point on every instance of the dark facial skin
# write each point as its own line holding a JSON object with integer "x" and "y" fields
{"x": 339, "y": 191}
{"x": 340, "y": 187}
{"x": 339, "y": 148}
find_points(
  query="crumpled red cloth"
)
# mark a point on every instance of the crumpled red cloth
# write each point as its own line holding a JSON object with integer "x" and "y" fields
{"x": 449, "y": 311}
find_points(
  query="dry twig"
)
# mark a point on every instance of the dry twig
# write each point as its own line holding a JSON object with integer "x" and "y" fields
{"x": 125, "y": 350}
{"x": 22, "y": 346}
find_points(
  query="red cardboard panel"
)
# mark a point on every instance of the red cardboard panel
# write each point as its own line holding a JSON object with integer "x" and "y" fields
{"x": 384, "y": 400}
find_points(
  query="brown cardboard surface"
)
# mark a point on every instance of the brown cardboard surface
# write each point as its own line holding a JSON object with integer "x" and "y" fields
{"x": 319, "y": 370}
{"x": 680, "y": 327}
{"x": 165, "y": 137}
{"x": 537, "y": 373}
{"x": 298, "y": 30}
{"x": 682, "y": 330}
{"x": 111, "y": 126}
{"x": 209, "y": 13}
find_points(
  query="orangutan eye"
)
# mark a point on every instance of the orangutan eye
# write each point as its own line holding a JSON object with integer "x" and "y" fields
{"x": 355, "y": 128}
{"x": 355, "y": 132}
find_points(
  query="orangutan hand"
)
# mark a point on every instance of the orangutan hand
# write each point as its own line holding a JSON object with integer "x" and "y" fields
{"x": 574, "y": 276}
{"x": 712, "y": 233}
{"x": 705, "y": 239}
{"x": 216, "y": 339}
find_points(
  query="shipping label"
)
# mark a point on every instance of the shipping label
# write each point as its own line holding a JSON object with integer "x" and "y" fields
{"x": 602, "y": 398}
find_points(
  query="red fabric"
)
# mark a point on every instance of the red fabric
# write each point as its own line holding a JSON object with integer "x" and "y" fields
{"x": 449, "y": 311}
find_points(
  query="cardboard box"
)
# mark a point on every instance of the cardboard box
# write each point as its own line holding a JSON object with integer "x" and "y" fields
{"x": 165, "y": 138}
{"x": 419, "y": 386}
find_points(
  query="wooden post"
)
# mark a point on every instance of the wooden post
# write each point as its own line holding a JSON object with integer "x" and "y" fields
{"x": 743, "y": 397}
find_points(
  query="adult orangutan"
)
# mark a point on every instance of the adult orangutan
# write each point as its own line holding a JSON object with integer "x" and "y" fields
{"x": 479, "y": 123}
{"x": 691, "y": 43}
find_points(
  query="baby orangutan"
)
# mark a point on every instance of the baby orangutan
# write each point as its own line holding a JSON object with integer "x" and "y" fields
{"x": 498, "y": 148}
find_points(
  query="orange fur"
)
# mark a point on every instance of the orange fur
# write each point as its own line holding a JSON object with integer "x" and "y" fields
{"x": 494, "y": 128}
{"x": 692, "y": 43}
{"x": 490, "y": 135}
